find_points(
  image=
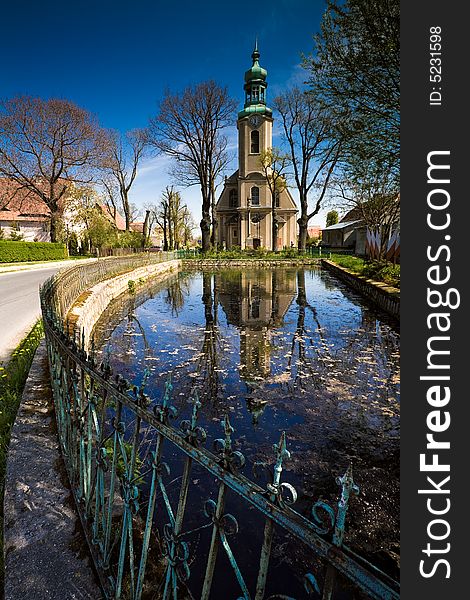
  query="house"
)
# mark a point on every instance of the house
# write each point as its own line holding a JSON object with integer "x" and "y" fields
{"x": 22, "y": 213}
{"x": 314, "y": 232}
{"x": 26, "y": 216}
{"x": 244, "y": 211}
{"x": 345, "y": 235}
{"x": 352, "y": 234}
{"x": 114, "y": 216}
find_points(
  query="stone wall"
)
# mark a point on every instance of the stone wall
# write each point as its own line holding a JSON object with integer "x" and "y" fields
{"x": 255, "y": 263}
{"x": 384, "y": 296}
{"x": 86, "y": 311}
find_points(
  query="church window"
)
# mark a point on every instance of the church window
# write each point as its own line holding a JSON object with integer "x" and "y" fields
{"x": 277, "y": 199}
{"x": 255, "y": 196}
{"x": 235, "y": 233}
{"x": 255, "y": 93}
{"x": 255, "y": 142}
{"x": 233, "y": 198}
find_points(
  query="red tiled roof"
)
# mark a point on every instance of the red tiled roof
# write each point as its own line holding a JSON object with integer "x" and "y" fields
{"x": 137, "y": 226}
{"x": 119, "y": 220}
{"x": 17, "y": 203}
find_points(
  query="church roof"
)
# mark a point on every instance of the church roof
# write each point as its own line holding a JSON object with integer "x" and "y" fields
{"x": 256, "y": 72}
{"x": 255, "y": 86}
{"x": 233, "y": 177}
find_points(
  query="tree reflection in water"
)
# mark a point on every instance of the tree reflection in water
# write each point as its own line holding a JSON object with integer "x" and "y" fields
{"x": 280, "y": 349}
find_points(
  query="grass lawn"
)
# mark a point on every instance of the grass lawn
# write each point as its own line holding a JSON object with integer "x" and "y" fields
{"x": 376, "y": 270}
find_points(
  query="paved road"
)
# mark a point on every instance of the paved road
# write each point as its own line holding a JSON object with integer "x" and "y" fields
{"x": 19, "y": 305}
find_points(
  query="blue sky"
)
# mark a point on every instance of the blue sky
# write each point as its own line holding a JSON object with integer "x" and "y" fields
{"x": 117, "y": 58}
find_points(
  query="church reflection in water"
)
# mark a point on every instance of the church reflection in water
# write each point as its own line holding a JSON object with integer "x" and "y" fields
{"x": 256, "y": 301}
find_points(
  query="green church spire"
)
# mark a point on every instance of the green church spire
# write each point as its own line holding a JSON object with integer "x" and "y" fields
{"x": 255, "y": 88}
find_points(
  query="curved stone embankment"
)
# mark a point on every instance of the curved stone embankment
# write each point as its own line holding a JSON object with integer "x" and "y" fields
{"x": 86, "y": 311}
{"x": 384, "y": 296}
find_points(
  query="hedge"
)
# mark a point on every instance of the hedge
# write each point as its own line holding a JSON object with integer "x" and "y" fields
{"x": 31, "y": 251}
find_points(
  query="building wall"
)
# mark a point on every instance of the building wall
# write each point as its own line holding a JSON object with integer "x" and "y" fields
{"x": 249, "y": 163}
{"x": 32, "y": 231}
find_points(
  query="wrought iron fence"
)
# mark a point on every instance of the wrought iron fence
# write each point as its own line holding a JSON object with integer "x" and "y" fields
{"x": 117, "y": 444}
{"x": 60, "y": 291}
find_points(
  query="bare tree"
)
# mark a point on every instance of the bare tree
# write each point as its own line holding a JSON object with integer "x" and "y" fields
{"x": 45, "y": 145}
{"x": 187, "y": 226}
{"x": 188, "y": 128}
{"x": 173, "y": 217}
{"x": 111, "y": 195}
{"x": 122, "y": 162}
{"x": 314, "y": 150}
{"x": 274, "y": 164}
{"x": 375, "y": 201}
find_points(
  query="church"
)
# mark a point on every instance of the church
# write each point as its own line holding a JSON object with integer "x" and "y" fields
{"x": 244, "y": 210}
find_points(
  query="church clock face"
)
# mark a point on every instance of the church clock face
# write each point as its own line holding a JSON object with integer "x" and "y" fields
{"x": 255, "y": 120}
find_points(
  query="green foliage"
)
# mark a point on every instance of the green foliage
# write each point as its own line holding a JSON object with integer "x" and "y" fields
{"x": 312, "y": 242}
{"x": 131, "y": 286}
{"x": 121, "y": 463}
{"x": 73, "y": 244}
{"x": 100, "y": 231}
{"x": 355, "y": 69}
{"x": 11, "y": 251}
{"x": 250, "y": 254}
{"x": 383, "y": 271}
{"x": 331, "y": 218}
{"x": 12, "y": 380}
{"x": 128, "y": 239}
{"x": 16, "y": 236}
{"x": 373, "y": 269}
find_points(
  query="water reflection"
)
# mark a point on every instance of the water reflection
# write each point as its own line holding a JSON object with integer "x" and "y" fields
{"x": 280, "y": 349}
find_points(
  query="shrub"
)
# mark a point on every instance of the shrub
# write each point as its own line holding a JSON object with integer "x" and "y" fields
{"x": 373, "y": 269}
{"x": 16, "y": 236}
{"x": 383, "y": 271}
{"x": 73, "y": 244}
{"x": 31, "y": 251}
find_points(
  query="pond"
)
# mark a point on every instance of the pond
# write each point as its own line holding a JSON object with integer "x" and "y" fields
{"x": 280, "y": 349}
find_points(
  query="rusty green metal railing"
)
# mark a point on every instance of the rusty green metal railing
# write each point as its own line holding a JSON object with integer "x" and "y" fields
{"x": 136, "y": 527}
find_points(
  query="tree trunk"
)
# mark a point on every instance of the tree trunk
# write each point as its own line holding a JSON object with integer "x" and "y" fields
{"x": 206, "y": 233}
{"x": 170, "y": 233}
{"x": 214, "y": 220}
{"x": 56, "y": 226}
{"x": 206, "y": 221}
{"x": 126, "y": 208}
{"x": 303, "y": 234}
{"x": 303, "y": 222}
{"x": 274, "y": 224}
{"x": 145, "y": 229}
{"x": 165, "y": 232}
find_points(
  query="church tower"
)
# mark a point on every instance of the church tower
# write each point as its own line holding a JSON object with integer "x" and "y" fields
{"x": 244, "y": 209}
{"x": 254, "y": 124}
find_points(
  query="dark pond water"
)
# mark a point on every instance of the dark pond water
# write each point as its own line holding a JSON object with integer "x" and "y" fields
{"x": 290, "y": 350}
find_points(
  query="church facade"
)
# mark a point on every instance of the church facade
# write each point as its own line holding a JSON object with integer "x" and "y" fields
{"x": 244, "y": 210}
